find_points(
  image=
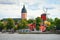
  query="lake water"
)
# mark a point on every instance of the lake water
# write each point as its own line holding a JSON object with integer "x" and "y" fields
{"x": 29, "y": 36}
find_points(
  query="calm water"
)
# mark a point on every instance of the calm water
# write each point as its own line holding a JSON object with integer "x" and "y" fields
{"x": 29, "y": 37}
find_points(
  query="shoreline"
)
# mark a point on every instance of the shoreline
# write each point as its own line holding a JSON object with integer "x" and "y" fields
{"x": 30, "y": 33}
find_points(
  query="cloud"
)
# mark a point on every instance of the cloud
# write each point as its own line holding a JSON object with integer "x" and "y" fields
{"x": 33, "y": 7}
{"x": 53, "y": 1}
{"x": 7, "y": 2}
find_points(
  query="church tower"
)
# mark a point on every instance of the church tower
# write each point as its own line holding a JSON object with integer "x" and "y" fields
{"x": 23, "y": 13}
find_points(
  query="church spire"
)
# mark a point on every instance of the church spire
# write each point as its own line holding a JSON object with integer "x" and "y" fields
{"x": 23, "y": 9}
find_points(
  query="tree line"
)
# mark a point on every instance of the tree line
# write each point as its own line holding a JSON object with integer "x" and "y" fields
{"x": 51, "y": 24}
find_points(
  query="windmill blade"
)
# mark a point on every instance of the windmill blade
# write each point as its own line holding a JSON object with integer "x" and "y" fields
{"x": 45, "y": 10}
{"x": 47, "y": 13}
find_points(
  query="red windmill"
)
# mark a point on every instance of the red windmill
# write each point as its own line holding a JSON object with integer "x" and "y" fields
{"x": 43, "y": 16}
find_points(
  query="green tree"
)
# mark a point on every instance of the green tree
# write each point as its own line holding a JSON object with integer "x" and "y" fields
{"x": 50, "y": 20}
{"x": 23, "y": 24}
{"x": 57, "y": 23}
{"x": 51, "y": 27}
{"x": 1, "y": 26}
{"x": 56, "y": 19}
{"x": 37, "y": 28}
{"x": 38, "y": 20}
{"x": 30, "y": 21}
{"x": 10, "y": 23}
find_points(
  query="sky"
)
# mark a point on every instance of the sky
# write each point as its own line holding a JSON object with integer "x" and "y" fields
{"x": 12, "y": 8}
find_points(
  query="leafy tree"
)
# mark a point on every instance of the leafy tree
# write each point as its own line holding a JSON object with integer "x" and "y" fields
{"x": 10, "y": 23}
{"x": 23, "y": 24}
{"x": 30, "y": 21}
{"x": 38, "y": 20}
{"x": 57, "y": 23}
{"x": 50, "y": 20}
{"x": 1, "y": 26}
{"x": 56, "y": 19}
{"x": 37, "y": 28}
{"x": 52, "y": 25}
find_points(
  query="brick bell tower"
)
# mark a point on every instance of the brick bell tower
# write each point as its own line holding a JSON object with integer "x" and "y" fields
{"x": 23, "y": 13}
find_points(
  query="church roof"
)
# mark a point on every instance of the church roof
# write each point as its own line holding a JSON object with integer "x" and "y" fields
{"x": 23, "y": 9}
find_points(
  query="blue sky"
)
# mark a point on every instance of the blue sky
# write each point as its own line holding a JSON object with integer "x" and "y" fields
{"x": 12, "y": 8}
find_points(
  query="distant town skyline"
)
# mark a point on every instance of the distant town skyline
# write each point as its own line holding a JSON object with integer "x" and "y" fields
{"x": 12, "y": 8}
